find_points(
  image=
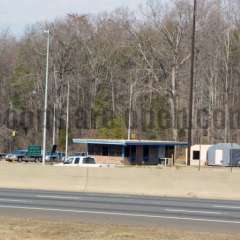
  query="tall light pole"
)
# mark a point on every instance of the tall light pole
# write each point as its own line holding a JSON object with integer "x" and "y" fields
{"x": 67, "y": 121}
{"x": 191, "y": 84}
{"x": 45, "y": 100}
{"x": 54, "y": 125}
{"x": 130, "y": 112}
{"x": 54, "y": 108}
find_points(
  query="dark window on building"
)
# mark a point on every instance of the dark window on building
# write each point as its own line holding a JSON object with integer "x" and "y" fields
{"x": 94, "y": 149}
{"x": 196, "y": 155}
{"x": 105, "y": 150}
{"x": 145, "y": 153}
{"x": 115, "y": 150}
{"x": 126, "y": 151}
{"x": 98, "y": 149}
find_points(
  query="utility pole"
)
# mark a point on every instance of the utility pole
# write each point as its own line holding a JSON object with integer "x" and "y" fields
{"x": 45, "y": 101}
{"x": 67, "y": 121}
{"x": 130, "y": 112}
{"x": 191, "y": 84}
{"x": 54, "y": 124}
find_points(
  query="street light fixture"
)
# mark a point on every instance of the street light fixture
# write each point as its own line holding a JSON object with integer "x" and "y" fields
{"x": 45, "y": 100}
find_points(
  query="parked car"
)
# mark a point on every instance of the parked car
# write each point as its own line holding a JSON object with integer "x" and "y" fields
{"x": 2, "y": 156}
{"x": 57, "y": 156}
{"x": 82, "y": 161}
{"x": 18, "y": 155}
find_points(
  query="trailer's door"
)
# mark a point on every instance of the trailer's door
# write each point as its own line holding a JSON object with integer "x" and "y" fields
{"x": 219, "y": 157}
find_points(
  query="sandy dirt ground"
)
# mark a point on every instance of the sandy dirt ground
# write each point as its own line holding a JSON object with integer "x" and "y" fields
{"x": 19, "y": 229}
{"x": 216, "y": 183}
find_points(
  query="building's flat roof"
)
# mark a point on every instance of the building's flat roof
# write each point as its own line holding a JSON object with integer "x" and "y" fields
{"x": 129, "y": 142}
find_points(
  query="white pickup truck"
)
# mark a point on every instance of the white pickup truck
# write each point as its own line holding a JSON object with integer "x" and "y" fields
{"x": 82, "y": 161}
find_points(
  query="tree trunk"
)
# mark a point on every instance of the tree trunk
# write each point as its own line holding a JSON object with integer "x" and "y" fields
{"x": 172, "y": 101}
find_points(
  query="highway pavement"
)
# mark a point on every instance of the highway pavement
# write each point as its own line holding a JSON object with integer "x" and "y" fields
{"x": 181, "y": 213}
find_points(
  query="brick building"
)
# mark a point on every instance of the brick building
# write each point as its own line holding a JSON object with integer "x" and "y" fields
{"x": 130, "y": 151}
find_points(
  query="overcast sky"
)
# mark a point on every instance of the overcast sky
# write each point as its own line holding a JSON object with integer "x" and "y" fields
{"x": 16, "y": 14}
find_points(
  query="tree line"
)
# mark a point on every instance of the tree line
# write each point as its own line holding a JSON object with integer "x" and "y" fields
{"x": 123, "y": 67}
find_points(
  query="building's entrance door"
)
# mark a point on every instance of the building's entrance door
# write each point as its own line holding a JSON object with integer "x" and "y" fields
{"x": 132, "y": 154}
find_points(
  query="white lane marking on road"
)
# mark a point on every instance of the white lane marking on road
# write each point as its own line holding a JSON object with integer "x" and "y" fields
{"x": 226, "y": 206}
{"x": 192, "y": 211}
{"x": 58, "y": 197}
{"x": 14, "y": 200}
{"x": 120, "y": 214}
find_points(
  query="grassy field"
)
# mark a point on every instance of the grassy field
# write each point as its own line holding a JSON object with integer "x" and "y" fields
{"x": 216, "y": 183}
{"x": 19, "y": 229}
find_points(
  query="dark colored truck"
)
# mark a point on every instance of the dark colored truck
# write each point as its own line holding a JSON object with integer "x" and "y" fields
{"x": 18, "y": 155}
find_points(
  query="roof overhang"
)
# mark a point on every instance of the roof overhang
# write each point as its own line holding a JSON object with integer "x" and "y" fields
{"x": 129, "y": 142}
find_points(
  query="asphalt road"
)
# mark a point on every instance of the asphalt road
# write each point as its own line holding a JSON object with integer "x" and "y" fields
{"x": 181, "y": 213}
